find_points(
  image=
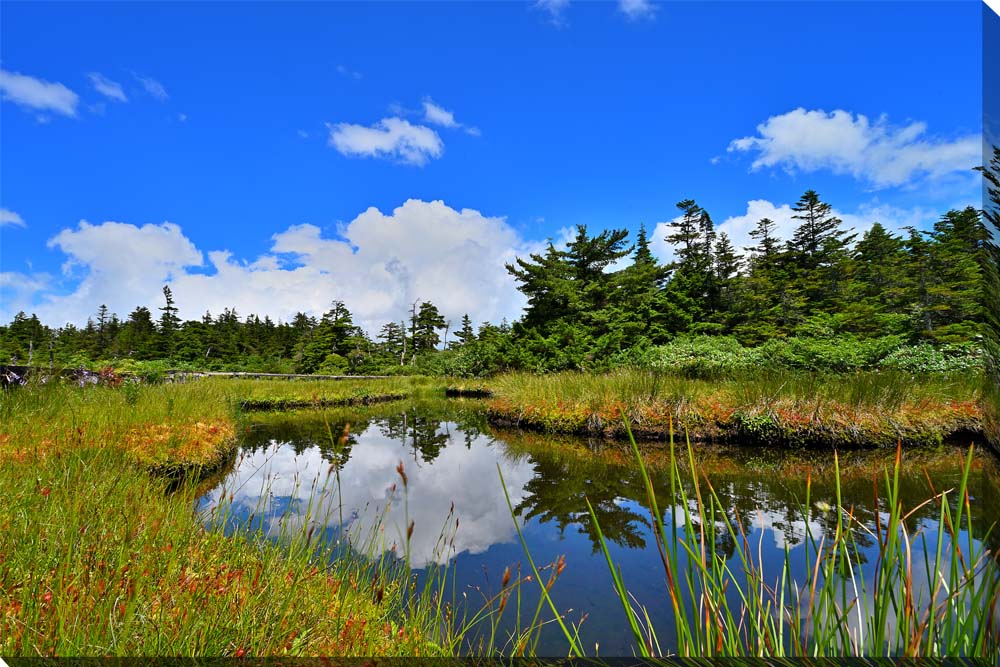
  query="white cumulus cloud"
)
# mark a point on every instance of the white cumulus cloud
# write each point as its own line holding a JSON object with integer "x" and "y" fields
{"x": 18, "y": 289}
{"x": 438, "y": 115}
{"x": 37, "y": 94}
{"x": 107, "y": 87}
{"x": 379, "y": 264}
{"x": 10, "y": 218}
{"x": 738, "y": 227}
{"x": 122, "y": 265}
{"x": 393, "y": 138}
{"x": 875, "y": 152}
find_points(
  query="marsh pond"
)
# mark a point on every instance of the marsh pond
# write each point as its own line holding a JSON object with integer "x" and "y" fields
{"x": 297, "y": 470}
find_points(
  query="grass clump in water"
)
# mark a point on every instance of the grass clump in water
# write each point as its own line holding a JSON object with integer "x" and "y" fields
{"x": 861, "y": 409}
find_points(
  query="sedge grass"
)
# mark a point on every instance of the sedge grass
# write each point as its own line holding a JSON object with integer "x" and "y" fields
{"x": 817, "y": 603}
{"x": 99, "y": 557}
{"x": 96, "y": 558}
{"x": 860, "y": 409}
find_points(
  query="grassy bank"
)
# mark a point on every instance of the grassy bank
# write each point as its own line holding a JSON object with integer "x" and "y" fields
{"x": 101, "y": 556}
{"x": 859, "y": 409}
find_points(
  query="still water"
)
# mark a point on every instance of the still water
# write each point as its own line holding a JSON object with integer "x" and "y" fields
{"x": 292, "y": 469}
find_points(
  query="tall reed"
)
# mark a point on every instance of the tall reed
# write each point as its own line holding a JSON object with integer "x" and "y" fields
{"x": 738, "y": 607}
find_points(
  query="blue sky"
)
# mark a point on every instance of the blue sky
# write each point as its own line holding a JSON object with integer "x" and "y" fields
{"x": 273, "y": 157}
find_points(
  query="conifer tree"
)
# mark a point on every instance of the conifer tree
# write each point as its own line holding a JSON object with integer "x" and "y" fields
{"x": 767, "y": 242}
{"x": 685, "y": 234}
{"x": 820, "y": 247}
{"x": 427, "y": 323}
{"x": 956, "y": 290}
{"x": 139, "y": 335}
{"x": 393, "y": 337}
{"x": 169, "y": 322}
{"x": 726, "y": 270}
{"x": 466, "y": 334}
{"x": 644, "y": 313}
{"x": 817, "y": 228}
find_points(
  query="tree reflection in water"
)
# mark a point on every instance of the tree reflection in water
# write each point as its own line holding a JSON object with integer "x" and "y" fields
{"x": 451, "y": 457}
{"x": 761, "y": 488}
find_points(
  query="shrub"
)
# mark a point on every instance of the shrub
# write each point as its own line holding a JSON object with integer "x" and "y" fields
{"x": 925, "y": 358}
{"x": 713, "y": 357}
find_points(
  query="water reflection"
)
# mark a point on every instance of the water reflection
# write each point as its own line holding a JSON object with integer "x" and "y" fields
{"x": 761, "y": 489}
{"x": 450, "y": 458}
{"x": 286, "y": 460}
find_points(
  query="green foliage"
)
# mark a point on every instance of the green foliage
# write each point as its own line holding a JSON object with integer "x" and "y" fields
{"x": 703, "y": 357}
{"x": 812, "y": 618}
{"x": 841, "y": 354}
{"x": 130, "y": 392}
{"x": 925, "y": 358}
{"x": 815, "y": 302}
{"x": 991, "y": 298}
{"x": 708, "y": 357}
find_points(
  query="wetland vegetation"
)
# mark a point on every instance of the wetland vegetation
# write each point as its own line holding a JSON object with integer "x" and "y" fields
{"x": 375, "y": 517}
{"x": 384, "y": 529}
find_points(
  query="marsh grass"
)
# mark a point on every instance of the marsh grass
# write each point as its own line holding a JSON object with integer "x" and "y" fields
{"x": 817, "y": 602}
{"x": 862, "y": 409}
{"x": 100, "y": 557}
{"x": 184, "y": 424}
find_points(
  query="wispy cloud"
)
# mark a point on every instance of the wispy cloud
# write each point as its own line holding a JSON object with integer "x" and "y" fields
{"x": 555, "y": 9}
{"x": 392, "y": 138}
{"x": 637, "y": 10}
{"x": 344, "y": 70}
{"x": 152, "y": 87}
{"x": 438, "y": 115}
{"x": 37, "y": 94}
{"x": 9, "y": 218}
{"x": 107, "y": 87}
{"x": 876, "y": 152}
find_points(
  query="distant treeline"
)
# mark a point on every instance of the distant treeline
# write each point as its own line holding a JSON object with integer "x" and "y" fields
{"x": 825, "y": 286}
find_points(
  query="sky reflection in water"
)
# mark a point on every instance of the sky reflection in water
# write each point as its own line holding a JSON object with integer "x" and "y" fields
{"x": 450, "y": 459}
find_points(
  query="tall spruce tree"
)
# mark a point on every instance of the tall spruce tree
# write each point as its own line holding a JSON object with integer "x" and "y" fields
{"x": 876, "y": 301}
{"x": 693, "y": 281}
{"x": 820, "y": 247}
{"x": 466, "y": 334}
{"x": 955, "y": 292}
{"x": 644, "y": 313}
{"x": 169, "y": 323}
